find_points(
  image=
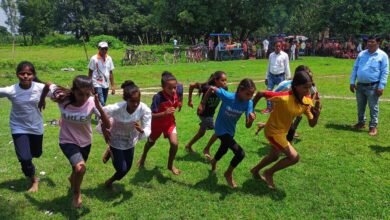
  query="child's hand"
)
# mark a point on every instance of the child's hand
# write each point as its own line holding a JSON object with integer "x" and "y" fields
{"x": 170, "y": 111}
{"x": 252, "y": 117}
{"x": 190, "y": 104}
{"x": 42, "y": 104}
{"x": 200, "y": 109}
{"x": 138, "y": 127}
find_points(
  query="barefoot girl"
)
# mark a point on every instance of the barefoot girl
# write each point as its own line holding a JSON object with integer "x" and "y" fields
{"x": 163, "y": 108}
{"x": 76, "y": 106}
{"x": 286, "y": 106}
{"x": 25, "y": 119}
{"x": 131, "y": 121}
{"x": 232, "y": 107}
{"x": 219, "y": 80}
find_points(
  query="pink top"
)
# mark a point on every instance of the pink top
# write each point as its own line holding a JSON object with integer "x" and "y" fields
{"x": 76, "y": 123}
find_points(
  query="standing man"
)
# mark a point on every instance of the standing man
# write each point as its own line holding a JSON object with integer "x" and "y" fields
{"x": 265, "y": 47}
{"x": 370, "y": 73}
{"x": 100, "y": 69}
{"x": 278, "y": 70}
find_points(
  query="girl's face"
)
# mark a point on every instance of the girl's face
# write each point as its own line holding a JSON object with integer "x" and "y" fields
{"x": 246, "y": 94}
{"x": 133, "y": 102}
{"x": 221, "y": 82}
{"x": 304, "y": 90}
{"x": 26, "y": 76}
{"x": 170, "y": 87}
{"x": 81, "y": 95}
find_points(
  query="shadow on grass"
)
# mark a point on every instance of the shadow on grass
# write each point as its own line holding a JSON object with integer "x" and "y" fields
{"x": 192, "y": 157}
{"x": 144, "y": 176}
{"x": 257, "y": 187}
{"x": 380, "y": 149}
{"x": 210, "y": 184}
{"x": 22, "y": 184}
{"x": 342, "y": 127}
{"x": 62, "y": 205}
{"x": 104, "y": 194}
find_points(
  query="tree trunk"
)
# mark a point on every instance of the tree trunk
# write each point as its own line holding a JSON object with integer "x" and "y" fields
{"x": 162, "y": 38}
{"x": 13, "y": 49}
{"x": 147, "y": 38}
{"x": 140, "y": 39}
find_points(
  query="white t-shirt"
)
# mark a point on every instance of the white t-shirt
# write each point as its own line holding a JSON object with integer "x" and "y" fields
{"x": 278, "y": 64}
{"x": 101, "y": 70}
{"x": 123, "y": 133}
{"x": 25, "y": 117}
{"x": 265, "y": 44}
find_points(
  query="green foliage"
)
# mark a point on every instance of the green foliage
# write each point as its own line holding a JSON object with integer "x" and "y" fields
{"x": 112, "y": 41}
{"x": 60, "y": 40}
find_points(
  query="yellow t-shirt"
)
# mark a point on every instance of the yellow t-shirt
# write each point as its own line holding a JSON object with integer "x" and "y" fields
{"x": 285, "y": 108}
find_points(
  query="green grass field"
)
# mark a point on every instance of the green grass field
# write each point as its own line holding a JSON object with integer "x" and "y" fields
{"x": 343, "y": 173}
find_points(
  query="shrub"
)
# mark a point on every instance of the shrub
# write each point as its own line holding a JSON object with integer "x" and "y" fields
{"x": 112, "y": 41}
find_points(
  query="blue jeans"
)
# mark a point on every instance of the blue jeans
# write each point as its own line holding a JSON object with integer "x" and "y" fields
{"x": 102, "y": 94}
{"x": 272, "y": 82}
{"x": 364, "y": 94}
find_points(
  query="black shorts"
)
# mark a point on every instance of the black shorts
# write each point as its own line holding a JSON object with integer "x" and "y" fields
{"x": 75, "y": 153}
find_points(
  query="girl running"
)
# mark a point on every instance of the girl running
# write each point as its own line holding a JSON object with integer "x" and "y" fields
{"x": 26, "y": 121}
{"x": 131, "y": 121}
{"x": 163, "y": 108}
{"x": 286, "y": 106}
{"x": 76, "y": 106}
{"x": 206, "y": 112}
{"x": 233, "y": 106}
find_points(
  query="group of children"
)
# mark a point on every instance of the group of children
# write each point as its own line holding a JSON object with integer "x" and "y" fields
{"x": 123, "y": 124}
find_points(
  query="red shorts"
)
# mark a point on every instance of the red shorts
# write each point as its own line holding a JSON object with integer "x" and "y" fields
{"x": 167, "y": 130}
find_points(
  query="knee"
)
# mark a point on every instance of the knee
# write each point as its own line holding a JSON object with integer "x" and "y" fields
{"x": 273, "y": 158}
{"x": 37, "y": 154}
{"x": 80, "y": 169}
{"x": 295, "y": 158}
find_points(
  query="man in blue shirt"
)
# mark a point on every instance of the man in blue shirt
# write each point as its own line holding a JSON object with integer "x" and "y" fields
{"x": 368, "y": 79}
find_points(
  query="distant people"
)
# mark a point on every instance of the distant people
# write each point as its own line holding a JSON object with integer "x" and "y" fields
{"x": 292, "y": 51}
{"x": 175, "y": 45}
{"x": 368, "y": 79}
{"x": 265, "y": 47}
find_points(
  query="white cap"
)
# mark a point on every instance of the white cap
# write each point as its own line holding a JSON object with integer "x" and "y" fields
{"x": 103, "y": 44}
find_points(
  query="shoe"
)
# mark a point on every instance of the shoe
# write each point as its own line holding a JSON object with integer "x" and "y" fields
{"x": 359, "y": 126}
{"x": 266, "y": 111}
{"x": 373, "y": 131}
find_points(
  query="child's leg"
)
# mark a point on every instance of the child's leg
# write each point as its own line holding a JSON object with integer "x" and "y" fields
{"x": 291, "y": 158}
{"x": 293, "y": 128}
{"x": 222, "y": 150}
{"x": 172, "y": 153}
{"x": 78, "y": 174}
{"x": 206, "y": 150}
{"x": 239, "y": 155}
{"x": 148, "y": 145}
{"x": 122, "y": 161}
{"x": 200, "y": 134}
{"x": 22, "y": 143}
{"x": 272, "y": 156}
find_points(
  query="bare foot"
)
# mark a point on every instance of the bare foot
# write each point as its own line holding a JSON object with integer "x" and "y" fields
{"x": 77, "y": 201}
{"x": 190, "y": 150}
{"x": 206, "y": 153}
{"x": 34, "y": 185}
{"x": 255, "y": 173}
{"x": 213, "y": 165}
{"x": 108, "y": 184}
{"x": 141, "y": 164}
{"x": 230, "y": 180}
{"x": 174, "y": 170}
{"x": 268, "y": 179}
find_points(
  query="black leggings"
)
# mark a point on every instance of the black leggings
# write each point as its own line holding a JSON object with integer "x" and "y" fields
{"x": 227, "y": 142}
{"x": 293, "y": 128}
{"x": 27, "y": 147}
{"x": 122, "y": 161}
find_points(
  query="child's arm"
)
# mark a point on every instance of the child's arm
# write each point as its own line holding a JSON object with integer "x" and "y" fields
{"x": 316, "y": 110}
{"x": 42, "y": 100}
{"x": 190, "y": 90}
{"x": 103, "y": 116}
{"x": 205, "y": 98}
{"x": 257, "y": 97}
{"x": 250, "y": 115}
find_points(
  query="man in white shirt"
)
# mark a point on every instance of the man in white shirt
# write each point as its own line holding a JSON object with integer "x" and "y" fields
{"x": 278, "y": 70}
{"x": 292, "y": 50}
{"x": 265, "y": 47}
{"x": 100, "y": 70}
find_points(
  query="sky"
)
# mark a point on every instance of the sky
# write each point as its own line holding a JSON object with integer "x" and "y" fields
{"x": 3, "y": 17}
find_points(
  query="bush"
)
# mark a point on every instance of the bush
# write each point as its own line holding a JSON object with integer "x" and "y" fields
{"x": 112, "y": 41}
{"x": 60, "y": 40}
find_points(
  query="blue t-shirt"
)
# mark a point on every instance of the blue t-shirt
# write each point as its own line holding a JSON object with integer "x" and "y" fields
{"x": 230, "y": 112}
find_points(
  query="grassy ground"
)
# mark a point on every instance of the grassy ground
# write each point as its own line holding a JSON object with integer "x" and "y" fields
{"x": 342, "y": 174}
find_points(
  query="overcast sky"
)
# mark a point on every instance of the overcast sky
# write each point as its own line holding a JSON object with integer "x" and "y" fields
{"x": 3, "y": 17}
